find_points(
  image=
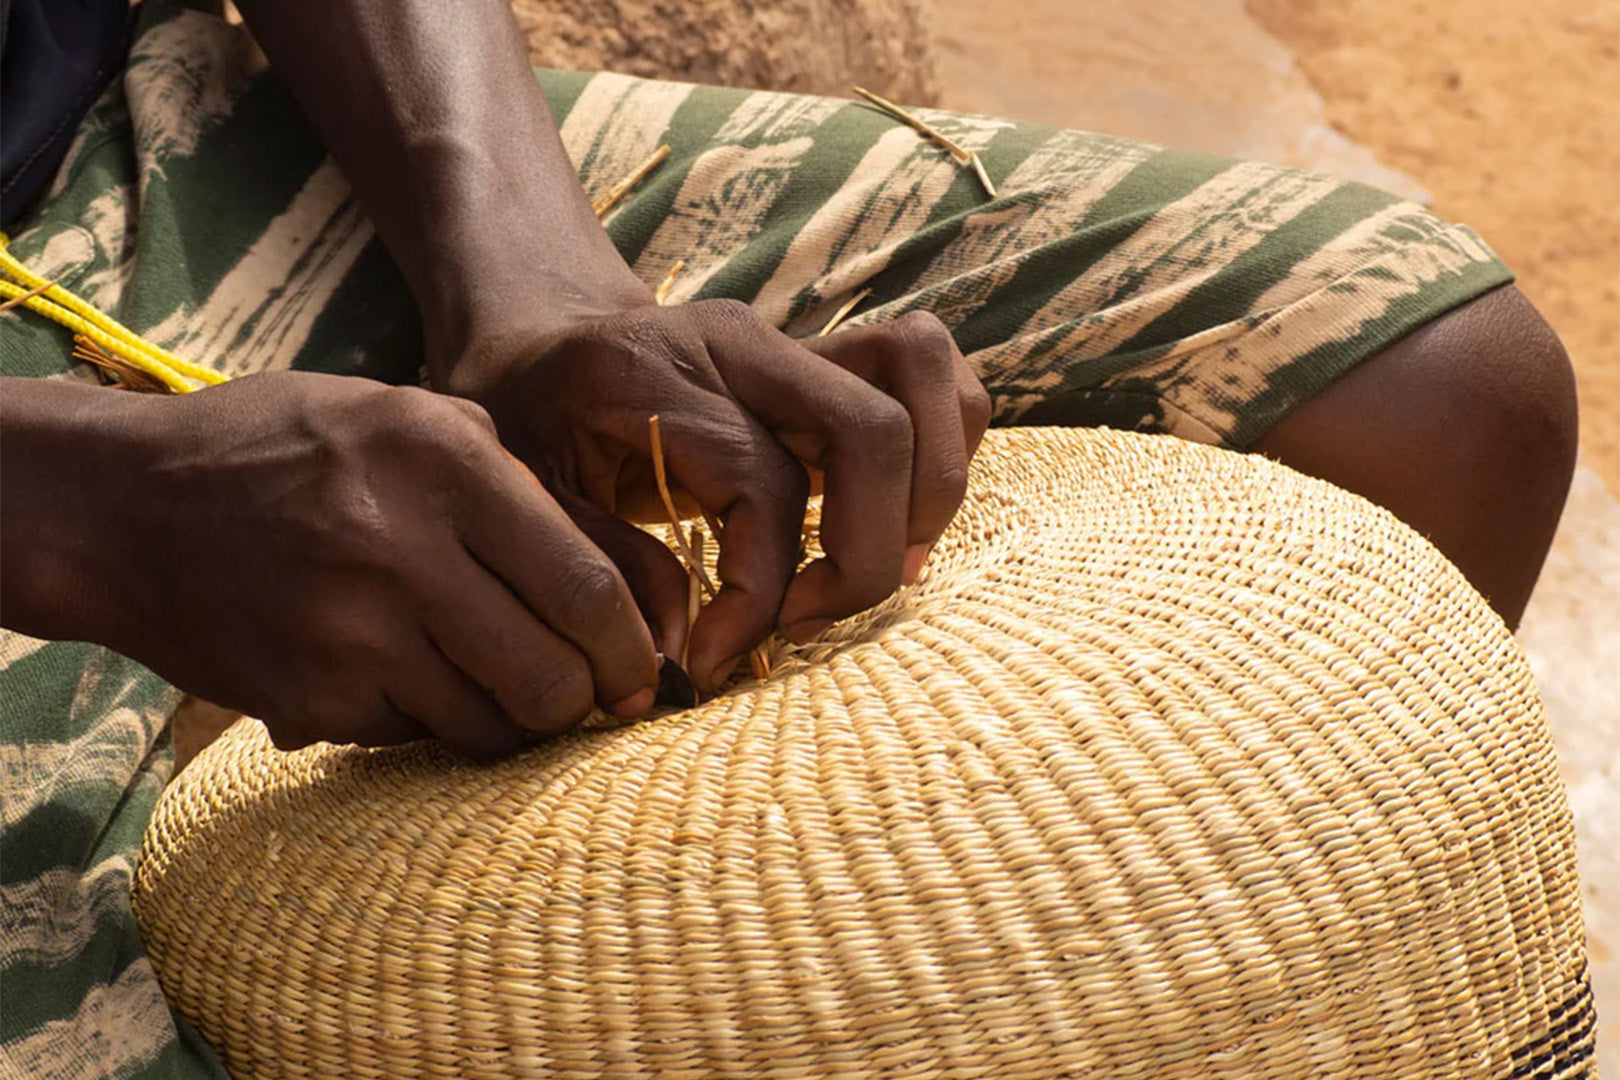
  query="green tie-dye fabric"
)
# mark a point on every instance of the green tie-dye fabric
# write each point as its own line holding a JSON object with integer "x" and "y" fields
{"x": 1112, "y": 282}
{"x": 84, "y": 752}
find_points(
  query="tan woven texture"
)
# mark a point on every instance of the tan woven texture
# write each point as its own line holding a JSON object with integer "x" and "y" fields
{"x": 1175, "y": 764}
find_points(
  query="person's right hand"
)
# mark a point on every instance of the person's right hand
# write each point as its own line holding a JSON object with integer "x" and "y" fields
{"x": 354, "y": 562}
{"x": 884, "y": 418}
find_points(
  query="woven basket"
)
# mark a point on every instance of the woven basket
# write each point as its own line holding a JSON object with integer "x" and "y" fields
{"x": 1175, "y": 764}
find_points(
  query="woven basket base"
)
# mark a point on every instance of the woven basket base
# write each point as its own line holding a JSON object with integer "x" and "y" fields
{"x": 1175, "y": 764}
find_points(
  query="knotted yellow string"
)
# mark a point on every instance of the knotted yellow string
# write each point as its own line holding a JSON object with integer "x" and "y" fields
{"x": 62, "y": 307}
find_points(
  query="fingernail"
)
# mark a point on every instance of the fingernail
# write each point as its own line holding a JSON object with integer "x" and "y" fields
{"x": 634, "y": 705}
{"x": 916, "y": 555}
{"x": 806, "y": 630}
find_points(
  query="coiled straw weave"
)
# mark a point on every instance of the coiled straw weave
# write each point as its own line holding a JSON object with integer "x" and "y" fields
{"x": 1176, "y": 764}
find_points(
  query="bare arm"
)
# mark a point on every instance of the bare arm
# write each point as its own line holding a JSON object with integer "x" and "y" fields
{"x": 353, "y": 561}
{"x": 434, "y": 115}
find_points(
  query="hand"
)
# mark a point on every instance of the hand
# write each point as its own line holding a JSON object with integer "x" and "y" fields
{"x": 354, "y": 562}
{"x": 889, "y": 414}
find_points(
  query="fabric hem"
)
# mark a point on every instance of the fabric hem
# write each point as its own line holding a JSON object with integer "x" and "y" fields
{"x": 1315, "y": 370}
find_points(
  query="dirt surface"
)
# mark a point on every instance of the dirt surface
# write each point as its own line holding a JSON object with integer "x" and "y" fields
{"x": 1509, "y": 113}
{"x": 809, "y": 46}
{"x": 1193, "y": 74}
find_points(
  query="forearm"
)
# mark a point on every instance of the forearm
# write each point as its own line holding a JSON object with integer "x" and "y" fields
{"x": 434, "y": 115}
{"x": 53, "y": 438}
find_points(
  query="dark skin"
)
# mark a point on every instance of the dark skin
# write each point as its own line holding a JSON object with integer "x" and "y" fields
{"x": 356, "y": 562}
{"x": 362, "y": 563}
{"x": 368, "y": 564}
{"x": 443, "y": 132}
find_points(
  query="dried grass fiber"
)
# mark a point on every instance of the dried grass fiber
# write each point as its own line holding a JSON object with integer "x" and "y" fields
{"x": 1175, "y": 764}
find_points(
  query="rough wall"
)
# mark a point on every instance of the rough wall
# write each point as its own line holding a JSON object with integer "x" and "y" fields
{"x": 810, "y": 46}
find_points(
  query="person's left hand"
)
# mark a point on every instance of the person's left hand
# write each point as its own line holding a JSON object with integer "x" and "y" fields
{"x": 886, "y": 416}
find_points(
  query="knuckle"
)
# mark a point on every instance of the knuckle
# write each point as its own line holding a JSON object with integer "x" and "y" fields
{"x": 554, "y": 697}
{"x": 883, "y": 428}
{"x": 742, "y": 458}
{"x": 358, "y": 648}
{"x": 727, "y": 308}
{"x": 775, "y": 475}
{"x": 923, "y": 334}
{"x": 408, "y": 409}
{"x": 974, "y": 401}
{"x": 628, "y": 329}
{"x": 950, "y": 487}
{"x": 475, "y": 413}
{"x": 881, "y": 417}
{"x": 588, "y": 589}
{"x": 643, "y": 344}
{"x": 432, "y": 427}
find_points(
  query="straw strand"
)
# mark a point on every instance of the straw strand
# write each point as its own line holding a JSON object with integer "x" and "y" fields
{"x": 960, "y": 153}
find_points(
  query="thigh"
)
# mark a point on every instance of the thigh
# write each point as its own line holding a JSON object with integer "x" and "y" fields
{"x": 84, "y": 752}
{"x": 1108, "y": 282}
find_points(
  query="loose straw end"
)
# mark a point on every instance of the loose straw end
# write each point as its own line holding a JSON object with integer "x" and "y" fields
{"x": 694, "y": 564}
{"x": 959, "y": 153}
{"x": 843, "y": 312}
{"x": 661, "y": 294}
{"x": 691, "y": 547}
{"x": 17, "y": 301}
{"x": 984, "y": 175}
{"x": 124, "y": 375}
{"x": 611, "y": 198}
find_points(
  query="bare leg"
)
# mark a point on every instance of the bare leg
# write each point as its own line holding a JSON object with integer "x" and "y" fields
{"x": 1466, "y": 430}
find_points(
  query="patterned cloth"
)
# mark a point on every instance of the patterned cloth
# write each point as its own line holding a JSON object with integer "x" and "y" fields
{"x": 1111, "y": 282}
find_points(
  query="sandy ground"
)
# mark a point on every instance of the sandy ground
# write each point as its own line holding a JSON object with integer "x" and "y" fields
{"x": 1509, "y": 112}
{"x": 1501, "y": 114}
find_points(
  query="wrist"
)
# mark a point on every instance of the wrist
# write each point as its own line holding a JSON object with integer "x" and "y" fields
{"x": 64, "y": 471}
{"x": 472, "y": 347}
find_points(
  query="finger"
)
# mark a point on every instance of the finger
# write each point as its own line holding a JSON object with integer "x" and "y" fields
{"x": 514, "y": 527}
{"x": 373, "y": 722}
{"x": 915, "y": 360}
{"x": 540, "y": 681}
{"x": 976, "y": 406}
{"x": 735, "y": 469}
{"x": 431, "y": 692}
{"x": 655, "y": 576}
{"x": 861, "y": 438}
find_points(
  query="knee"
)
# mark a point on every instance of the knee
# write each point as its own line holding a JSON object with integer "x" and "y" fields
{"x": 1466, "y": 429}
{"x": 1498, "y": 385}
{"x": 1529, "y": 400}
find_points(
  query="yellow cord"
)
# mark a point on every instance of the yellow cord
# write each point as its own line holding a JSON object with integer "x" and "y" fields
{"x": 62, "y": 307}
